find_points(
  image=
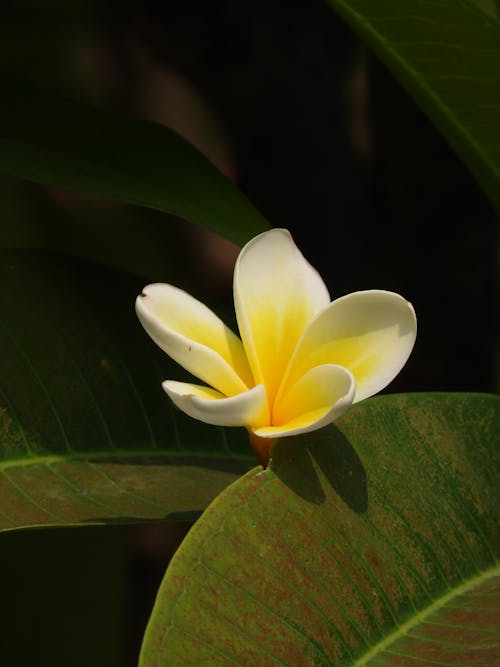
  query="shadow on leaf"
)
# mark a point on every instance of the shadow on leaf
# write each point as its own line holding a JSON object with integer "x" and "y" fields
{"x": 307, "y": 462}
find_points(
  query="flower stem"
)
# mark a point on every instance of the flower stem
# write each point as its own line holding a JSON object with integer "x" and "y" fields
{"x": 261, "y": 448}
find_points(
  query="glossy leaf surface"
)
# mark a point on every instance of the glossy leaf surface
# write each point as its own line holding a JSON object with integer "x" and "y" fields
{"x": 49, "y": 139}
{"x": 370, "y": 542}
{"x": 447, "y": 55}
{"x": 86, "y": 432}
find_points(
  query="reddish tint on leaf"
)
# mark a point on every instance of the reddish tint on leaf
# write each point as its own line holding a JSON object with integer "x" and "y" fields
{"x": 349, "y": 549}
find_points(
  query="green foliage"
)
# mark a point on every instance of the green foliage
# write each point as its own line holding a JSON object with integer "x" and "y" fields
{"x": 49, "y": 139}
{"x": 87, "y": 434}
{"x": 369, "y": 542}
{"x": 447, "y": 55}
{"x": 356, "y": 545}
{"x": 105, "y": 232}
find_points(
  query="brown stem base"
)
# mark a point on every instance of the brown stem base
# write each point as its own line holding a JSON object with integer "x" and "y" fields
{"x": 261, "y": 448}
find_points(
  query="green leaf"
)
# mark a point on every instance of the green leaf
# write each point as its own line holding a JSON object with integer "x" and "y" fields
{"x": 56, "y": 141}
{"x": 92, "y": 230}
{"x": 447, "y": 55}
{"x": 370, "y": 542}
{"x": 86, "y": 432}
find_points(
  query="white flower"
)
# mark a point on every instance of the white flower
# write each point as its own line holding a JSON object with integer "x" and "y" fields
{"x": 301, "y": 361}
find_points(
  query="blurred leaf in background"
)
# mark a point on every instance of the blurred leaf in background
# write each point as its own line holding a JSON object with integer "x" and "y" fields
{"x": 447, "y": 56}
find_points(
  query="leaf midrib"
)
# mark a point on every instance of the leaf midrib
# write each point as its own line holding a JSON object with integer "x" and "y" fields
{"x": 116, "y": 455}
{"x": 420, "y": 616}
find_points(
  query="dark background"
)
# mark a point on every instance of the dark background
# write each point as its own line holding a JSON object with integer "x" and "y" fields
{"x": 326, "y": 143}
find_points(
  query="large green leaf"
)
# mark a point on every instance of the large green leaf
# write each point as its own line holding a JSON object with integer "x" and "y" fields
{"x": 370, "y": 542}
{"x": 86, "y": 433}
{"x": 49, "y": 139}
{"x": 447, "y": 55}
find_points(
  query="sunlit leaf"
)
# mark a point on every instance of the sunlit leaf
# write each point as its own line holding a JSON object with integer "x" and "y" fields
{"x": 373, "y": 542}
{"x": 447, "y": 55}
{"x": 86, "y": 432}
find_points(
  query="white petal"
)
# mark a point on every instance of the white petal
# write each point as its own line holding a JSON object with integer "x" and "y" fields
{"x": 276, "y": 294}
{"x": 371, "y": 333}
{"x": 194, "y": 337}
{"x": 246, "y": 409}
{"x": 319, "y": 397}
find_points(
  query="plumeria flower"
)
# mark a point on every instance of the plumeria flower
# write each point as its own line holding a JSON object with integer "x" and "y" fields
{"x": 302, "y": 359}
